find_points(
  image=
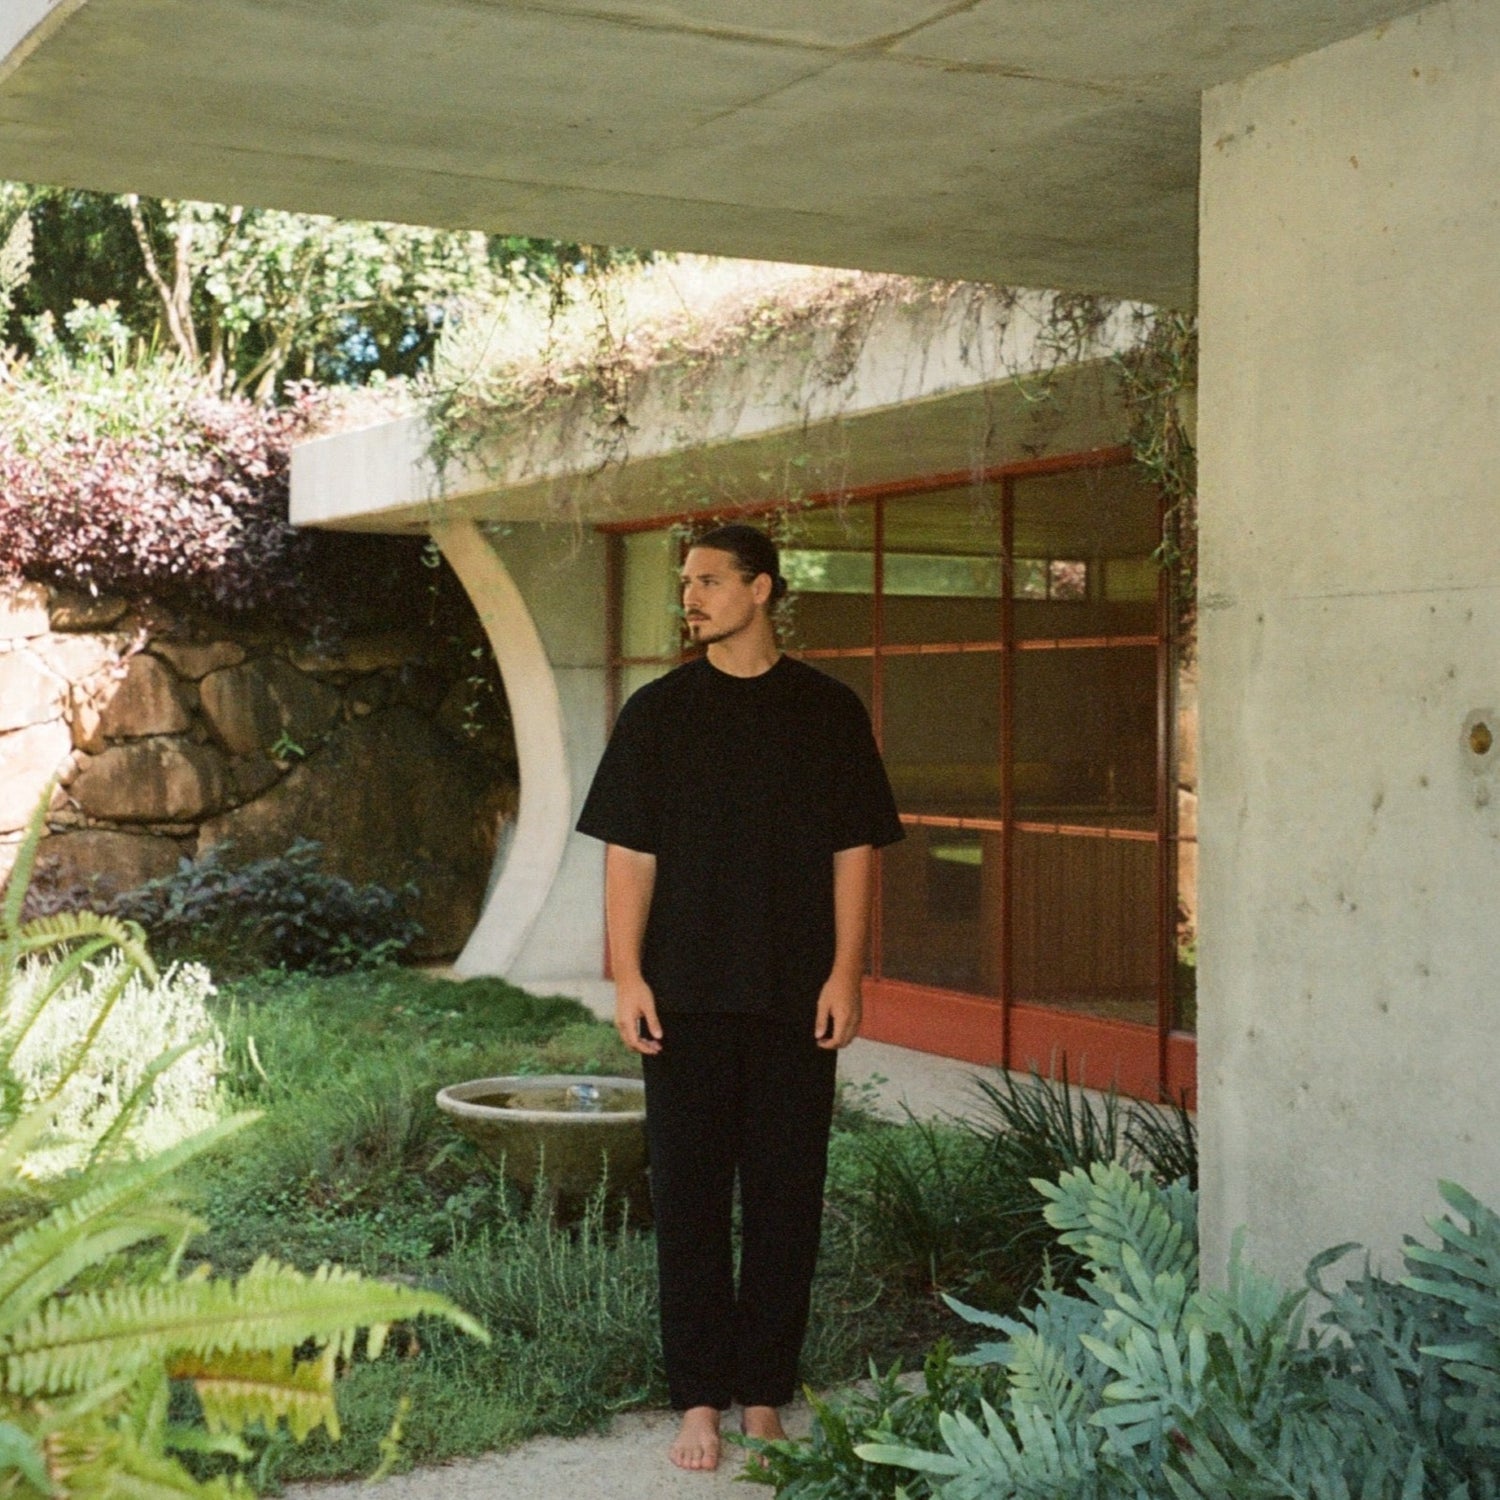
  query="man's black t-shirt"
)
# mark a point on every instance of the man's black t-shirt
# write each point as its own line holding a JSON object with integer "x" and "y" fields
{"x": 743, "y": 788}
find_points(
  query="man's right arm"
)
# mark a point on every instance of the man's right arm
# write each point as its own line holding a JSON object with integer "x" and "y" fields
{"x": 629, "y": 879}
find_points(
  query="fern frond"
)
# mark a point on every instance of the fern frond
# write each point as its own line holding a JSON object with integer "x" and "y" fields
{"x": 91, "y": 1336}
{"x": 21, "y": 1453}
{"x": 110, "y": 1142}
{"x": 97, "y": 1221}
{"x": 106, "y": 1462}
{"x": 17, "y": 1137}
{"x": 1042, "y": 1378}
{"x": 74, "y": 1059}
{"x": 59, "y": 974}
{"x": 67, "y": 927}
{"x": 1101, "y": 1210}
{"x": 79, "y": 1249}
{"x": 240, "y": 1389}
{"x": 19, "y": 879}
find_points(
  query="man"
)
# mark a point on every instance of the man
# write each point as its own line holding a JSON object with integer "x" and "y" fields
{"x": 741, "y": 799}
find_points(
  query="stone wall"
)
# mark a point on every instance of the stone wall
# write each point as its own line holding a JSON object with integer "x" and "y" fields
{"x": 168, "y": 736}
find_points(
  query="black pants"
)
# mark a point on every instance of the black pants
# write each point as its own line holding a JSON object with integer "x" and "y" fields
{"x": 736, "y": 1096}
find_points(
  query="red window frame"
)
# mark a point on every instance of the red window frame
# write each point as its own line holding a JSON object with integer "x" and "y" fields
{"x": 1145, "y": 1061}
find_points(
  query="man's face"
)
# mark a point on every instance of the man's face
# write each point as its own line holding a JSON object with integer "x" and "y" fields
{"x": 717, "y": 601}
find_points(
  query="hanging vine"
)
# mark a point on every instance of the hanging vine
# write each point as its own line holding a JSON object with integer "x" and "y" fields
{"x": 590, "y": 357}
{"x": 1159, "y": 381}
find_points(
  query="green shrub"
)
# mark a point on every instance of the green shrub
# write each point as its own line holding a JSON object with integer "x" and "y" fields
{"x": 950, "y": 1206}
{"x": 282, "y": 912}
{"x": 141, "y": 1019}
{"x": 1145, "y": 1384}
{"x": 829, "y": 1467}
{"x": 924, "y": 1208}
{"x": 95, "y": 1331}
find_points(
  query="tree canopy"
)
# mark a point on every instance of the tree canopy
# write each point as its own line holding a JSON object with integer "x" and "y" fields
{"x": 250, "y": 298}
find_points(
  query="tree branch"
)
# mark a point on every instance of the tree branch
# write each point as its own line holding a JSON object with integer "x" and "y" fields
{"x": 178, "y": 312}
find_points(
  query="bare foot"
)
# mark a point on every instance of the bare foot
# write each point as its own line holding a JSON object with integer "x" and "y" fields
{"x": 697, "y": 1444}
{"x": 763, "y": 1422}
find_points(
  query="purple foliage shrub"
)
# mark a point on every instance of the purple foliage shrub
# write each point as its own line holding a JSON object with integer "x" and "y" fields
{"x": 146, "y": 486}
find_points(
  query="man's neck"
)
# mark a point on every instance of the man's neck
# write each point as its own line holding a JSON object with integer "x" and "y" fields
{"x": 748, "y": 654}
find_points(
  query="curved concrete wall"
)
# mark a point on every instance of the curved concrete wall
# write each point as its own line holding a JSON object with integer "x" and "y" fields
{"x": 540, "y": 594}
{"x": 529, "y": 859}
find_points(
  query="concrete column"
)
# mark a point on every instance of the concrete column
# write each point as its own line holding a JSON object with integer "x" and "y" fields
{"x": 1350, "y": 453}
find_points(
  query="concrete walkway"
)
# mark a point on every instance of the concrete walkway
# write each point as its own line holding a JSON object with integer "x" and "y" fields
{"x": 628, "y": 1461}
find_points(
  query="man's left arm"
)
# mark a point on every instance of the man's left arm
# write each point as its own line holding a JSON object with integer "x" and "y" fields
{"x": 839, "y": 1001}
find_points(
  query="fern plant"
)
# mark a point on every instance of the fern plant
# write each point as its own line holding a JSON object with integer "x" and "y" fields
{"x": 1144, "y": 1384}
{"x": 95, "y": 1333}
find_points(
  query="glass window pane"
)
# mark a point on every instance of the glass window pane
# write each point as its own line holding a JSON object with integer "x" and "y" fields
{"x": 943, "y": 573}
{"x": 942, "y": 732}
{"x": 1083, "y": 925}
{"x": 1094, "y": 531}
{"x": 940, "y": 909}
{"x": 857, "y": 672}
{"x": 1085, "y": 736}
{"x": 828, "y": 560}
{"x": 638, "y": 675}
{"x": 1030, "y": 578}
{"x": 1067, "y": 580}
{"x": 650, "y": 615}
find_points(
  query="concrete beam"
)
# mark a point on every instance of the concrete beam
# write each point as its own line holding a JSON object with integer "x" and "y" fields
{"x": 934, "y": 388}
{"x": 992, "y": 140}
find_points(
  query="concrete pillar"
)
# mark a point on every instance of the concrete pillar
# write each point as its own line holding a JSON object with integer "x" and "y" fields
{"x": 1350, "y": 453}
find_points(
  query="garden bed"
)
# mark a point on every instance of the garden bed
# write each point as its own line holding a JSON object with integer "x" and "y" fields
{"x": 354, "y": 1163}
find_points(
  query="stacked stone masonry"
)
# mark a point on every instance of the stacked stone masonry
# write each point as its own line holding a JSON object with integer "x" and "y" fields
{"x": 165, "y": 739}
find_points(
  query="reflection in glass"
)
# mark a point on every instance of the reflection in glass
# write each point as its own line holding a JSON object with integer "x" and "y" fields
{"x": 1067, "y": 580}
{"x": 943, "y": 570}
{"x": 940, "y": 904}
{"x": 1085, "y": 736}
{"x": 1083, "y": 924}
{"x": 649, "y": 611}
{"x": 942, "y": 732}
{"x": 828, "y": 560}
{"x": 1094, "y": 532}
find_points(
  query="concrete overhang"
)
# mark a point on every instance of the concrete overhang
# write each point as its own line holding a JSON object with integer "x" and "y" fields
{"x": 1021, "y": 142}
{"x": 935, "y": 389}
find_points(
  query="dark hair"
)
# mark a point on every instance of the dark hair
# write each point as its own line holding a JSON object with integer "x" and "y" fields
{"x": 753, "y": 551}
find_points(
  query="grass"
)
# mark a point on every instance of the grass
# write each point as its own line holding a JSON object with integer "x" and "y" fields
{"x": 354, "y": 1163}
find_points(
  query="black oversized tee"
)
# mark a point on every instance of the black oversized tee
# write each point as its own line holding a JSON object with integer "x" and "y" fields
{"x": 743, "y": 788}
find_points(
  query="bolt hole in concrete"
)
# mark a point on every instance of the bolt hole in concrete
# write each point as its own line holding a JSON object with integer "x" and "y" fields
{"x": 1480, "y": 738}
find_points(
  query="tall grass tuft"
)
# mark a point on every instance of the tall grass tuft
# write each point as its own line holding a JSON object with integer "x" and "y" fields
{"x": 951, "y": 1206}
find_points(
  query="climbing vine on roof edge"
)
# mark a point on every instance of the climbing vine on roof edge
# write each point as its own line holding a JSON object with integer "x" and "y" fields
{"x": 578, "y": 364}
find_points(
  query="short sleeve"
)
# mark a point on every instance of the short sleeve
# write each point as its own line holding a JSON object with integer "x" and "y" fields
{"x": 623, "y": 804}
{"x": 864, "y": 809}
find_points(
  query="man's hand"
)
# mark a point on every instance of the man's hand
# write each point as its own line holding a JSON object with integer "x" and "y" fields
{"x": 838, "y": 1013}
{"x": 839, "y": 1002}
{"x": 634, "y": 1003}
{"x": 629, "y": 879}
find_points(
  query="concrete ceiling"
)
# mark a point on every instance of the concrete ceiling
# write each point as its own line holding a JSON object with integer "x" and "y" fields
{"x": 1030, "y": 142}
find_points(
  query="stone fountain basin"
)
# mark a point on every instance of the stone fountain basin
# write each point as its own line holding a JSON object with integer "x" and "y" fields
{"x": 525, "y": 1125}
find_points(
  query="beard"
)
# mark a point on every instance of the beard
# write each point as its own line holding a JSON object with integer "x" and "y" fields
{"x": 707, "y": 633}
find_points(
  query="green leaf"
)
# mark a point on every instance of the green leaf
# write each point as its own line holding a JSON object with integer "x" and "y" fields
{"x": 19, "y": 1454}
